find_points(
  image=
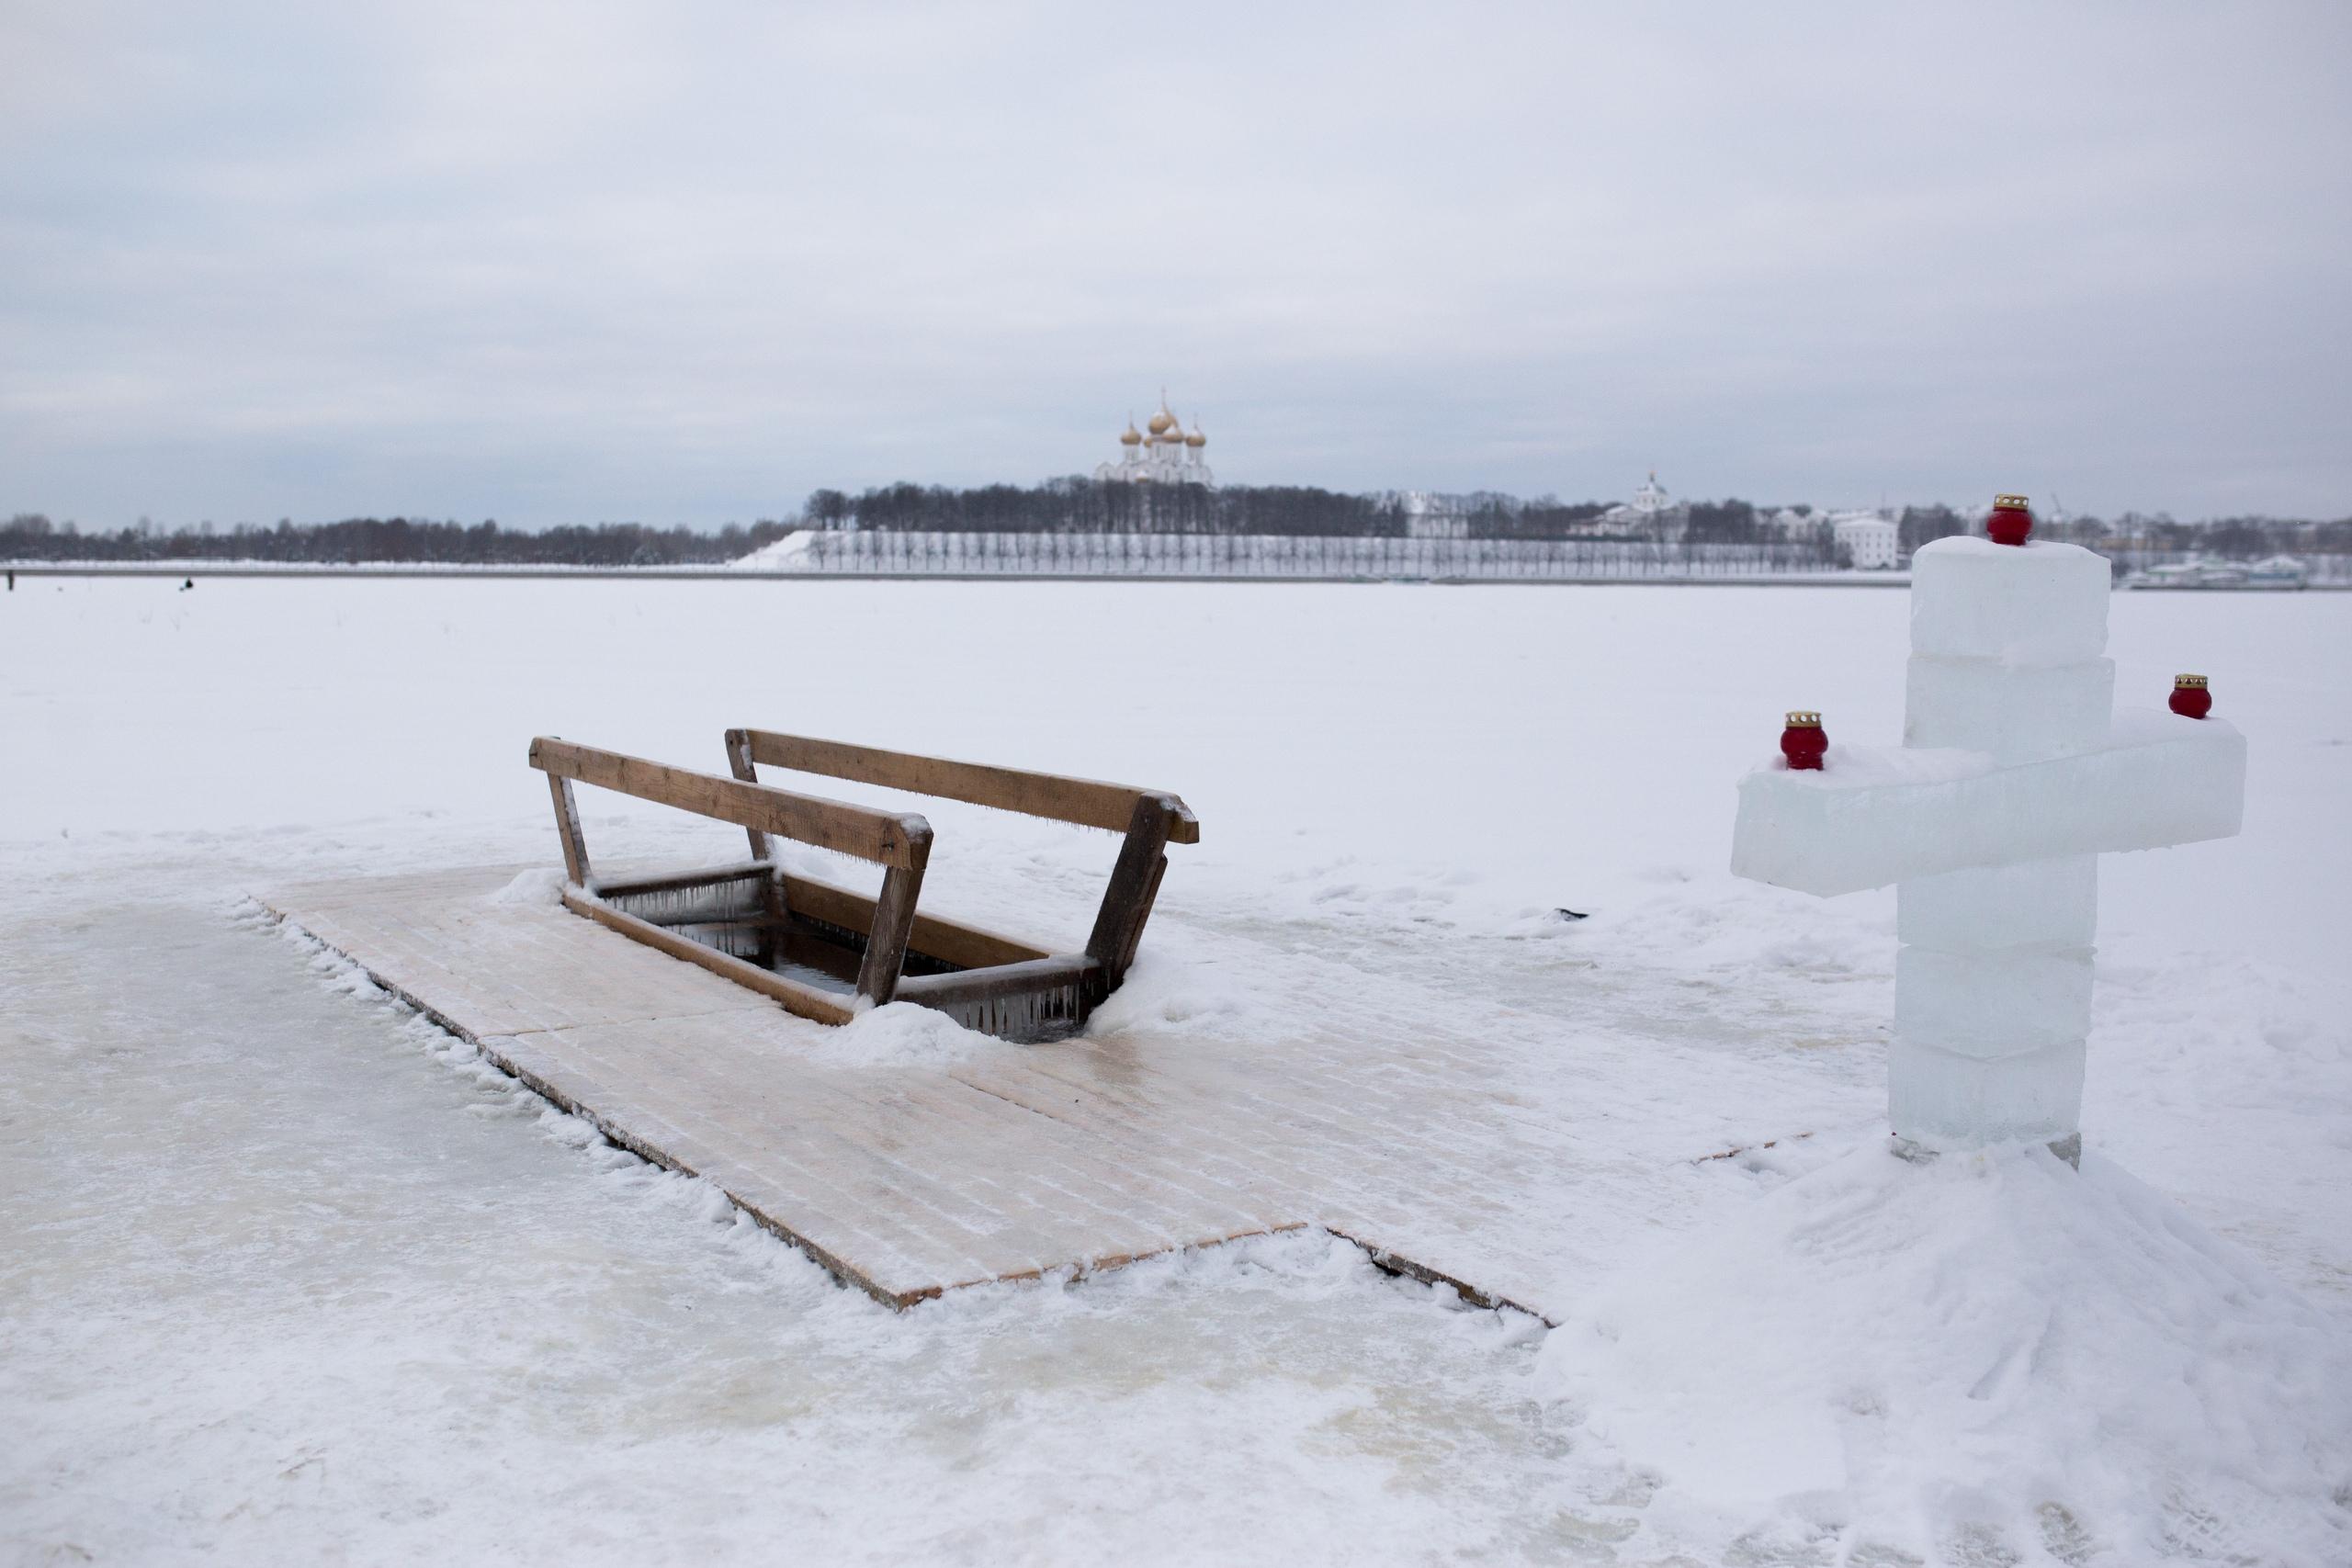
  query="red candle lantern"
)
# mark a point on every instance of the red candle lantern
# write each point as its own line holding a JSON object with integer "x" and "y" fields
{"x": 2189, "y": 697}
{"x": 2011, "y": 522}
{"x": 1804, "y": 740}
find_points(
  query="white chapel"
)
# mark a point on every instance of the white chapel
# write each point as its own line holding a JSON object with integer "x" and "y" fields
{"x": 1163, "y": 452}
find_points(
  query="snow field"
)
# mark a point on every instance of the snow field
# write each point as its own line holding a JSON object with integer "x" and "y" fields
{"x": 284, "y": 1274}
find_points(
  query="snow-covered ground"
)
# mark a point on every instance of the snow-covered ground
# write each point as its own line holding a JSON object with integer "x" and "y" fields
{"x": 285, "y": 1277}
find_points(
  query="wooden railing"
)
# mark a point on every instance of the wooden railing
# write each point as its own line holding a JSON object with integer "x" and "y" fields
{"x": 879, "y": 836}
{"x": 1086, "y": 802}
{"x": 985, "y": 979}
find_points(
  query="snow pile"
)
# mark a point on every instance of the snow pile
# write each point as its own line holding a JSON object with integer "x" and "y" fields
{"x": 1160, "y": 993}
{"x": 1901, "y": 1354}
{"x": 540, "y": 885}
{"x": 788, "y": 554}
{"x": 901, "y": 1034}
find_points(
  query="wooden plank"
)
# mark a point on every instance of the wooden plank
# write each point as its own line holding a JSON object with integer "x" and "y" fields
{"x": 1022, "y": 1003}
{"x": 796, "y": 998}
{"x": 707, "y": 922}
{"x": 567, "y": 828}
{"x": 969, "y": 946}
{"x": 680, "y": 881}
{"x": 1135, "y": 881}
{"x": 797, "y": 943}
{"x": 1005, "y": 979}
{"x": 1134, "y": 932}
{"x": 1086, "y": 802}
{"x": 879, "y": 836}
{"x": 886, "y": 941}
{"x": 738, "y": 762}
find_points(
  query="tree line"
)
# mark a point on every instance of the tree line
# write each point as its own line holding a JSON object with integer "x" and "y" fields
{"x": 1080, "y": 505}
{"x": 31, "y": 537}
{"x": 1077, "y": 506}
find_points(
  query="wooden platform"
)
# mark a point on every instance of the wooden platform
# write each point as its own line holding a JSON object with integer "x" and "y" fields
{"x": 912, "y": 1179}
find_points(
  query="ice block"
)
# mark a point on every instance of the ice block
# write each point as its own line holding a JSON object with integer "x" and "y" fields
{"x": 2034, "y": 604}
{"x": 1875, "y": 815}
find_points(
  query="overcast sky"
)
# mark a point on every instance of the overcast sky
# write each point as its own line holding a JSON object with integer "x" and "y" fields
{"x": 684, "y": 263}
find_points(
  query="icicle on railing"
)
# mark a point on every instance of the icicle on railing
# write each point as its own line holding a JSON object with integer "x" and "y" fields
{"x": 1028, "y": 1017}
{"x": 709, "y": 903}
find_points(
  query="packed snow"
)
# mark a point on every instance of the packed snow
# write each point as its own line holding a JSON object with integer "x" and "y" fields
{"x": 1987, "y": 1344}
{"x": 901, "y": 1034}
{"x": 788, "y": 554}
{"x": 287, "y": 1274}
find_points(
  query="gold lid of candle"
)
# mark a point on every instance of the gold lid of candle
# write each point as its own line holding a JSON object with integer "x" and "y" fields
{"x": 2190, "y": 681}
{"x": 1803, "y": 718}
{"x": 2008, "y": 501}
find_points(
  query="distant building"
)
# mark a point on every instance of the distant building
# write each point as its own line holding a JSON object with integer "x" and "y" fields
{"x": 1872, "y": 542}
{"x": 1651, "y": 514}
{"x": 1162, "y": 453}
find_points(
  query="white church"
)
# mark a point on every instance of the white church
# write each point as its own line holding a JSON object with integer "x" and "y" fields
{"x": 1651, "y": 514}
{"x": 1163, "y": 452}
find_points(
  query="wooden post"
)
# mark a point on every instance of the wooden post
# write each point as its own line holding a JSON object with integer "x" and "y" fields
{"x": 1127, "y": 904}
{"x": 567, "y": 828}
{"x": 1135, "y": 931}
{"x": 894, "y": 921}
{"x": 738, "y": 762}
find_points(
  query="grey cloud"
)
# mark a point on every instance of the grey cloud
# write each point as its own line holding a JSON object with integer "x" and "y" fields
{"x": 564, "y": 262}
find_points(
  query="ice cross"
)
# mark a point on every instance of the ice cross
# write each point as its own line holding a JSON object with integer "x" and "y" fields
{"x": 2014, "y": 776}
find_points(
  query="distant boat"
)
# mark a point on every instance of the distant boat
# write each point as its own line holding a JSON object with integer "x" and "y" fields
{"x": 2279, "y": 571}
{"x": 2175, "y": 574}
{"x": 2211, "y": 571}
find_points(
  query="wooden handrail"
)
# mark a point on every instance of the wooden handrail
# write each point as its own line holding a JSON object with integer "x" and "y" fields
{"x": 1088, "y": 803}
{"x": 881, "y": 837}
{"x": 994, "y": 982}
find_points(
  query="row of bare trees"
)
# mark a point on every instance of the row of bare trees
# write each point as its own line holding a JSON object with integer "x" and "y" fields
{"x": 1076, "y": 507}
{"x": 30, "y": 537}
{"x": 973, "y": 553}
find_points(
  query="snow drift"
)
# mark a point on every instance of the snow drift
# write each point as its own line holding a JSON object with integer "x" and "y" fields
{"x": 788, "y": 554}
{"x": 1901, "y": 1352}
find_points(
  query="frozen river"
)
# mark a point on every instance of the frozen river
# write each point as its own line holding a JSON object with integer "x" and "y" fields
{"x": 284, "y": 1277}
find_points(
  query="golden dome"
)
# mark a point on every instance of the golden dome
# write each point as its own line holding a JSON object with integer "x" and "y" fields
{"x": 1131, "y": 435}
{"x": 1162, "y": 422}
{"x": 1196, "y": 438}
